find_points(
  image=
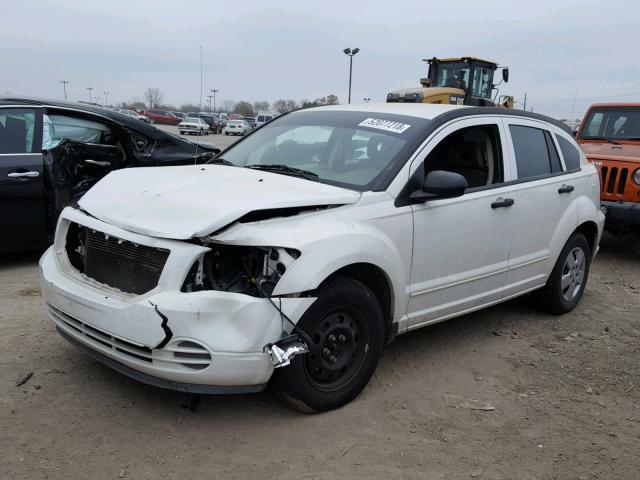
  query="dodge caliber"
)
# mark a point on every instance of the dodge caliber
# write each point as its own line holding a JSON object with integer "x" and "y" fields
{"x": 296, "y": 255}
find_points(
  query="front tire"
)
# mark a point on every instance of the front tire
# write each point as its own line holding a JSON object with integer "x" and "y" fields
{"x": 568, "y": 278}
{"x": 346, "y": 326}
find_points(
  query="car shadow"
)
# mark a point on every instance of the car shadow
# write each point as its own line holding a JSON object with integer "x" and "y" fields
{"x": 20, "y": 259}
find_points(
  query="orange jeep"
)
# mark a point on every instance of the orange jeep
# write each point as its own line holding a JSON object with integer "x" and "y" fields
{"x": 610, "y": 137}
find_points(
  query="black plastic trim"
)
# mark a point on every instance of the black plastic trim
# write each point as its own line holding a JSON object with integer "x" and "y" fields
{"x": 160, "y": 382}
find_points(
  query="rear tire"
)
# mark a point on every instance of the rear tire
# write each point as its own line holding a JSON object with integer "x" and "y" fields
{"x": 568, "y": 278}
{"x": 346, "y": 325}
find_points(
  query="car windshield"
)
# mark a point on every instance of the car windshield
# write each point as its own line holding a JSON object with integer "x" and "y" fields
{"x": 618, "y": 123}
{"x": 191, "y": 119}
{"x": 350, "y": 149}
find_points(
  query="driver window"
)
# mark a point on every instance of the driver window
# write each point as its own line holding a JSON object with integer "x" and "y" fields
{"x": 77, "y": 129}
{"x": 473, "y": 152}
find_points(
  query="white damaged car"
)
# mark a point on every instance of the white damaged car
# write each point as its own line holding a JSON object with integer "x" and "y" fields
{"x": 310, "y": 244}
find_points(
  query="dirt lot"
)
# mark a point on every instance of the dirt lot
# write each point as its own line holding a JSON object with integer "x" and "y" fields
{"x": 566, "y": 392}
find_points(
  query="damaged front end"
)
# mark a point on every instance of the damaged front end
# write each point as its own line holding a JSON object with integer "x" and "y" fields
{"x": 197, "y": 314}
{"x": 253, "y": 271}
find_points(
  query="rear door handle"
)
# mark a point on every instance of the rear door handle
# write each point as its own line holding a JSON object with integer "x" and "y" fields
{"x": 502, "y": 202}
{"x": 23, "y": 174}
{"x": 565, "y": 189}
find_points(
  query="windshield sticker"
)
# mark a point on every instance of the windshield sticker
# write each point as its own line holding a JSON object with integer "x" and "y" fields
{"x": 387, "y": 125}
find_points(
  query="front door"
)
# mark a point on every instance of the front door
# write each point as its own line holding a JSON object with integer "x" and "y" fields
{"x": 22, "y": 221}
{"x": 461, "y": 245}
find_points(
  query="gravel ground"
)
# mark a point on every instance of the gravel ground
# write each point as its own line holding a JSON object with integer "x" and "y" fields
{"x": 507, "y": 393}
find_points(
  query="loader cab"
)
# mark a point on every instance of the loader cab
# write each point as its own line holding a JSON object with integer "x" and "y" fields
{"x": 457, "y": 81}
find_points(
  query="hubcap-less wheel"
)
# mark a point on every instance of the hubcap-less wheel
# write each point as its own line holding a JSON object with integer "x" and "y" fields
{"x": 338, "y": 350}
{"x": 573, "y": 272}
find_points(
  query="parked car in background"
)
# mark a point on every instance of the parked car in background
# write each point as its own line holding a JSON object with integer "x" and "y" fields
{"x": 610, "y": 137}
{"x": 52, "y": 152}
{"x": 193, "y": 125}
{"x": 180, "y": 115}
{"x": 298, "y": 257}
{"x": 135, "y": 115}
{"x": 263, "y": 118}
{"x": 212, "y": 121}
{"x": 162, "y": 117}
{"x": 250, "y": 121}
{"x": 237, "y": 127}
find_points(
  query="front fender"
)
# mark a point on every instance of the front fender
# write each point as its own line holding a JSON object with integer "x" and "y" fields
{"x": 326, "y": 245}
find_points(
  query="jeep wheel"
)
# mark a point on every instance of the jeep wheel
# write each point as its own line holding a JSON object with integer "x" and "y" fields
{"x": 568, "y": 279}
{"x": 346, "y": 327}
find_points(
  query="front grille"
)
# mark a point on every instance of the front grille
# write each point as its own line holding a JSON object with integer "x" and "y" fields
{"x": 118, "y": 263}
{"x": 613, "y": 180}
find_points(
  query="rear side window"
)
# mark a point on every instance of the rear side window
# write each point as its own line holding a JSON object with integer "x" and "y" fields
{"x": 570, "y": 153}
{"x": 532, "y": 152}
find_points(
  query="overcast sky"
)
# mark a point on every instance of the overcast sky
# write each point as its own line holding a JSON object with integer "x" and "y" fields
{"x": 259, "y": 50}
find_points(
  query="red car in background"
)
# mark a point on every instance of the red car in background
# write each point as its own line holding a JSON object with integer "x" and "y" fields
{"x": 162, "y": 116}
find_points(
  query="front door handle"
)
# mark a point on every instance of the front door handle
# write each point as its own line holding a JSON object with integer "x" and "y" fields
{"x": 23, "y": 174}
{"x": 502, "y": 202}
{"x": 565, "y": 188}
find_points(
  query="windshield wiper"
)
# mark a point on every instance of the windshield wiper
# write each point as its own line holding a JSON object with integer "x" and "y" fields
{"x": 287, "y": 170}
{"x": 221, "y": 161}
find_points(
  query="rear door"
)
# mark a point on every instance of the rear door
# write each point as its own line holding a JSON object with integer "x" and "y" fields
{"x": 21, "y": 170}
{"x": 542, "y": 192}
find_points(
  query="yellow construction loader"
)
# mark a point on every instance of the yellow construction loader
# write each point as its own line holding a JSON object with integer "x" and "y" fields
{"x": 457, "y": 81}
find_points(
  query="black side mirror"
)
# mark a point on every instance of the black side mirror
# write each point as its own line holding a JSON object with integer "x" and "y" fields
{"x": 440, "y": 184}
{"x": 505, "y": 75}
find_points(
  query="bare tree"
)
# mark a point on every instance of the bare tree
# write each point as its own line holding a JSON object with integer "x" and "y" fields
{"x": 243, "y": 108}
{"x": 153, "y": 97}
{"x": 261, "y": 106}
{"x": 283, "y": 106}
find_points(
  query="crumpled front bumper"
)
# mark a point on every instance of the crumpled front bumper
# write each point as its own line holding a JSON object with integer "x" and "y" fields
{"x": 210, "y": 342}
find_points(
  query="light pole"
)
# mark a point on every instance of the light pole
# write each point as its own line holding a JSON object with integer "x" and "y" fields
{"x": 209, "y": 97}
{"x": 90, "y": 90}
{"x": 350, "y": 52}
{"x": 214, "y": 91}
{"x": 106, "y": 98}
{"x": 64, "y": 88}
{"x": 366, "y": 99}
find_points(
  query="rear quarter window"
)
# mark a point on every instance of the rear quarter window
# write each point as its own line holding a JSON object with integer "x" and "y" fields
{"x": 570, "y": 153}
{"x": 532, "y": 152}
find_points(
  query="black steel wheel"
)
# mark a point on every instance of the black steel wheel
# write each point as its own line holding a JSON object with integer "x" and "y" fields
{"x": 338, "y": 352}
{"x": 346, "y": 328}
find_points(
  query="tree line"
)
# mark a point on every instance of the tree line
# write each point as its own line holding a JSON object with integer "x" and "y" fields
{"x": 153, "y": 98}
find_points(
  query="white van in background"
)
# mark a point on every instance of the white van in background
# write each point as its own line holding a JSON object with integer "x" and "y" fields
{"x": 263, "y": 118}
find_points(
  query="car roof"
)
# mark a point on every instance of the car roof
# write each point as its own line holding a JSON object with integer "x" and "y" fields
{"x": 437, "y": 112}
{"x": 121, "y": 118}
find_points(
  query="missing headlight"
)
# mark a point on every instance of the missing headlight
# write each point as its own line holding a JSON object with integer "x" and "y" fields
{"x": 232, "y": 268}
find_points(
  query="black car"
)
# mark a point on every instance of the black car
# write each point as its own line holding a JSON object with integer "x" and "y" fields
{"x": 52, "y": 152}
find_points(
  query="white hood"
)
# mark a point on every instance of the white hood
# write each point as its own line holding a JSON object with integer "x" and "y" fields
{"x": 194, "y": 201}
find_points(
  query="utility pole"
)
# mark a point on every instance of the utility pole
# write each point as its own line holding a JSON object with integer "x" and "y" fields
{"x": 524, "y": 107}
{"x": 214, "y": 91}
{"x": 106, "y": 98}
{"x": 64, "y": 88}
{"x": 90, "y": 90}
{"x": 350, "y": 52}
{"x": 573, "y": 107}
